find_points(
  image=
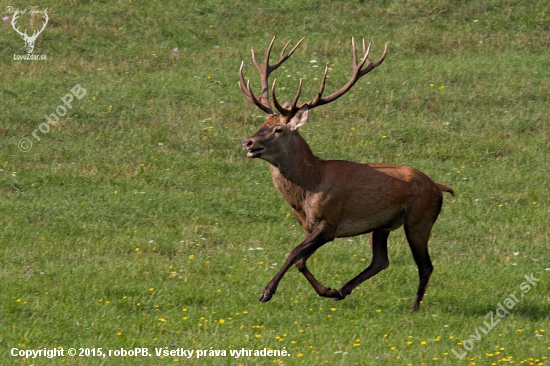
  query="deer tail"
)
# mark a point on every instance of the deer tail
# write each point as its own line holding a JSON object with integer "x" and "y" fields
{"x": 444, "y": 188}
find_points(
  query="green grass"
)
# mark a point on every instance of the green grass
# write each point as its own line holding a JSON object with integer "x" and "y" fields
{"x": 130, "y": 223}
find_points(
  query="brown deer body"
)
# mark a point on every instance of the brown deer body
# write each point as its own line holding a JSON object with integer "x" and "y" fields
{"x": 332, "y": 198}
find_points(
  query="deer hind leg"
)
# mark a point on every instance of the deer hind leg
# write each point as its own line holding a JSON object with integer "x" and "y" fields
{"x": 418, "y": 241}
{"x": 379, "y": 244}
{"x": 320, "y": 236}
{"x": 418, "y": 221}
{"x": 319, "y": 288}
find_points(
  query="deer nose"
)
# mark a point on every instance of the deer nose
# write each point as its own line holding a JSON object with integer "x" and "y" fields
{"x": 247, "y": 144}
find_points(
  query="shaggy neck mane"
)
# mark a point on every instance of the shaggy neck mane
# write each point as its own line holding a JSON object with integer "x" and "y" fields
{"x": 297, "y": 166}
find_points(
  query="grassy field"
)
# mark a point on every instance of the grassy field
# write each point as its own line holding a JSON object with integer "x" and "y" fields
{"x": 136, "y": 220}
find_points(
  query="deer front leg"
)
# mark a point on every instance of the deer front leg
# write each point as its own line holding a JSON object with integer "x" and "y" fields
{"x": 319, "y": 236}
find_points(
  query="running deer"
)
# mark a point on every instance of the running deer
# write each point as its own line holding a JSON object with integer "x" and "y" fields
{"x": 335, "y": 199}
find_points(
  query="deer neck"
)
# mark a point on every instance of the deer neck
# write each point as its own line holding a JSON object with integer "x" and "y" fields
{"x": 297, "y": 171}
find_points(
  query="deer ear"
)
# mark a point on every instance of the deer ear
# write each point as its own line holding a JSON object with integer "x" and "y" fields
{"x": 286, "y": 104}
{"x": 299, "y": 119}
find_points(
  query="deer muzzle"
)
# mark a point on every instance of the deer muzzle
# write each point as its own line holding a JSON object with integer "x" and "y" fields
{"x": 254, "y": 150}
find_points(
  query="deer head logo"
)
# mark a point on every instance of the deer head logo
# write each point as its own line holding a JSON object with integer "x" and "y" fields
{"x": 29, "y": 40}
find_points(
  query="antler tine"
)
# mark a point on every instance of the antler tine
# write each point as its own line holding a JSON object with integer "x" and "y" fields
{"x": 357, "y": 67}
{"x": 383, "y": 56}
{"x": 371, "y": 65}
{"x": 255, "y": 100}
{"x": 284, "y": 57}
{"x": 242, "y": 83}
{"x": 321, "y": 88}
{"x": 295, "y": 101}
{"x": 358, "y": 71}
{"x": 268, "y": 52}
{"x": 354, "y": 51}
{"x": 288, "y": 112}
{"x": 247, "y": 92}
{"x": 364, "y": 59}
{"x": 284, "y": 49}
{"x": 366, "y": 50}
{"x": 265, "y": 70}
{"x": 266, "y": 59}
{"x": 277, "y": 105}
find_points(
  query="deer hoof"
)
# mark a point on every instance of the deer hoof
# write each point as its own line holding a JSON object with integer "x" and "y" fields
{"x": 265, "y": 297}
{"x": 334, "y": 294}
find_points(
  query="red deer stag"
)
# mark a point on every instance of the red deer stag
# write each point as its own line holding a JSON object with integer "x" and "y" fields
{"x": 332, "y": 198}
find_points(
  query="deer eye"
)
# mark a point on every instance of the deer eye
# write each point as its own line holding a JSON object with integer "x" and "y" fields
{"x": 278, "y": 130}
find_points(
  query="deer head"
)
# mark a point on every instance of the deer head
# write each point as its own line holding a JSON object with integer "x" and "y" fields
{"x": 280, "y": 128}
{"x": 29, "y": 40}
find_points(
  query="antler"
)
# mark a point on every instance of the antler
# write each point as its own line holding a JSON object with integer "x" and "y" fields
{"x": 358, "y": 71}
{"x": 264, "y": 70}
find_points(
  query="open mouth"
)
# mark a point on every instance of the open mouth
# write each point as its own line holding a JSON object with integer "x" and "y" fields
{"x": 255, "y": 153}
